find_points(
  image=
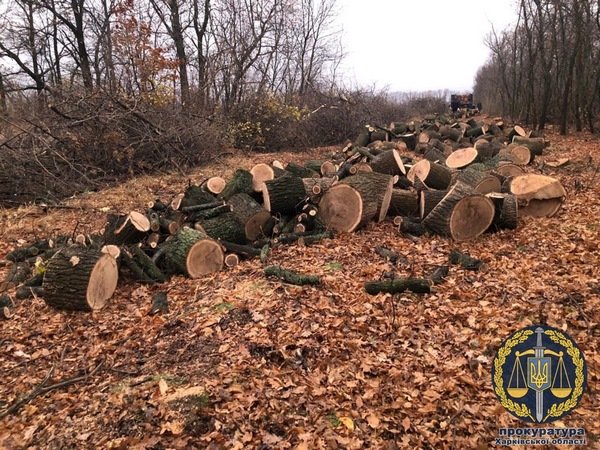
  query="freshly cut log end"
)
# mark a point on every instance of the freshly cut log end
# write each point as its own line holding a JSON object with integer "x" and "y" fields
{"x": 111, "y": 250}
{"x": 509, "y": 170}
{"x": 328, "y": 169}
{"x": 126, "y": 229}
{"x": 471, "y": 217}
{"x": 260, "y": 174}
{"x": 541, "y": 208}
{"x": 374, "y": 187}
{"x": 431, "y": 174}
{"x": 193, "y": 253}
{"x": 535, "y": 145}
{"x": 215, "y": 185}
{"x": 389, "y": 162}
{"x": 278, "y": 164}
{"x": 438, "y": 220}
{"x": 341, "y": 208}
{"x": 77, "y": 279}
{"x": 536, "y": 187}
{"x": 231, "y": 260}
{"x": 462, "y": 158}
{"x": 520, "y": 154}
{"x": 250, "y": 214}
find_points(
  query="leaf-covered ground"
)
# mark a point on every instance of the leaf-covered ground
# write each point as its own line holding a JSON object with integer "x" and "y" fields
{"x": 246, "y": 362}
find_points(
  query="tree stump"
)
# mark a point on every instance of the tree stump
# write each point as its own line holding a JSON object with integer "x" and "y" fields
{"x": 192, "y": 253}
{"x": 80, "y": 279}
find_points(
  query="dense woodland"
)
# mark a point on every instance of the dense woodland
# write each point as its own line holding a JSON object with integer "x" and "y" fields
{"x": 545, "y": 69}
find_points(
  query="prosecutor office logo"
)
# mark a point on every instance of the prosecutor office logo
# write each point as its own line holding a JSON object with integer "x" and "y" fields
{"x": 539, "y": 374}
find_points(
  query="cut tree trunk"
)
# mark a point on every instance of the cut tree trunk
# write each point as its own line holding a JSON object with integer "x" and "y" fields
{"x": 231, "y": 260}
{"x": 535, "y": 145}
{"x": 291, "y": 277}
{"x": 226, "y": 227}
{"x": 262, "y": 173}
{"x": 464, "y": 260}
{"x": 284, "y": 195}
{"x": 195, "y": 195}
{"x": 78, "y": 279}
{"x": 435, "y": 155}
{"x": 541, "y": 208}
{"x": 403, "y": 203}
{"x": 536, "y": 187}
{"x": 126, "y": 229}
{"x": 315, "y": 188}
{"x": 506, "y": 215}
{"x": 471, "y": 217}
{"x": 433, "y": 175}
{"x": 328, "y": 169}
{"x": 450, "y": 133}
{"x": 509, "y": 170}
{"x": 481, "y": 182}
{"x": 240, "y": 183}
{"x": 438, "y": 220}
{"x": 374, "y": 183}
{"x": 519, "y": 154}
{"x": 192, "y": 253}
{"x": 301, "y": 171}
{"x": 389, "y": 163}
{"x": 253, "y": 217}
{"x": 429, "y": 199}
{"x": 461, "y": 158}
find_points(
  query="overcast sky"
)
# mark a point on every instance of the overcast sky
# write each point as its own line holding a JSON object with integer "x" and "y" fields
{"x": 419, "y": 45}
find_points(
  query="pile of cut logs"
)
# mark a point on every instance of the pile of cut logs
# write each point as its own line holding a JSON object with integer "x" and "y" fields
{"x": 452, "y": 179}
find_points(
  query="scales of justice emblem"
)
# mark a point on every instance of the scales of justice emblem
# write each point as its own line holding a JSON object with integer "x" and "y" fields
{"x": 539, "y": 374}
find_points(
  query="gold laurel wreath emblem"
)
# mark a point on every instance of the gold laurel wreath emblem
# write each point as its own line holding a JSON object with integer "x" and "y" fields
{"x": 519, "y": 409}
{"x": 558, "y": 409}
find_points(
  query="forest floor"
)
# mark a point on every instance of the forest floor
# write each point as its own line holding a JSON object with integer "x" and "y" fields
{"x": 245, "y": 362}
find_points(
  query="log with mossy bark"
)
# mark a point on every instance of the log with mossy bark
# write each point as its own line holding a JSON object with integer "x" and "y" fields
{"x": 126, "y": 229}
{"x": 399, "y": 285}
{"x": 262, "y": 173}
{"x": 206, "y": 214}
{"x": 195, "y": 195}
{"x": 192, "y": 253}
{"x": 254, "y": 218}
{"x": 145, "y": 263}
{"x": 453, "y": 134}
{"x": 240, "y": 183}
{"x": 464, "y": 260}
{"x": 301, "y": 171}
{"x": 225, "y": 227}
{"x": 284, "y": 195}
{"x": 291, "y": 277}
{"x": 80, "y": 279}
{"x": 433, "y": 175}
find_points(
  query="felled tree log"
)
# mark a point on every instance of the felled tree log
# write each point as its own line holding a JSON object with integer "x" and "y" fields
{"x": 157, "y": 206}
{"x": 517, "y": 130}
{"x": 541, "y": 208}
{"x": 464, "y": 260}
{"x": 450, "y": 133}
{"x": 305, "y": 239}
{"x": 262, "y": 173}
{"x": 26, "y": 292}
{"x": 509, "y": 170}
{"x": 206, "y": 214}
{"x": 389, "y": 163}
{"x": 315, "y": 188}
{"x": 535, "y": 145}
{"x": 398, "y": 285}
{"x": 253, "y": 217}
{"x": 429, "y": 199}
{"x": 154, "y": 220}
{"x": 361, "y": 167}
{"x": 460, "y": 220}
{"x": 192, "y": 253}
{"x": 433, "y": 175}
{"x": 244, "y": 251}
{"x": 314, "y": 165}
{"x": 519, "y": 154}
{"x": 126, "y": 229}
{"x": 403, "y": 203}
{"x": 195, "y": 195}
{"x": 461, "y": 158}
{"x": 538, "y": 187}
{"x": 291, "y": 277}
{"x": 410, "y": 139}
{"x": 214, "y": 185}
{"x": 145, "y": 263}
{"x": 328, "y": 169}
{"x": 284, "y": 195}
{"x": 434, "y": 155}
{"x": 485, "y": 150}
{"x": 481, "y": 182}
{"x": 80, "y": 279}
{"x": 241, "y": 182}
{"x": 160, "y": 304}
{"x": 301, "y": 171}
{"x": 506, "y": 215}
{"x": 225, "y": 227}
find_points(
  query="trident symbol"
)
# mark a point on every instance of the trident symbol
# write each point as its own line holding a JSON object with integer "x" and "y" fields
{"x": 539, "y": 376}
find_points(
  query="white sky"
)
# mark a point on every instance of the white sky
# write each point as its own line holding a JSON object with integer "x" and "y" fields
{"x": 418, "y": 45}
